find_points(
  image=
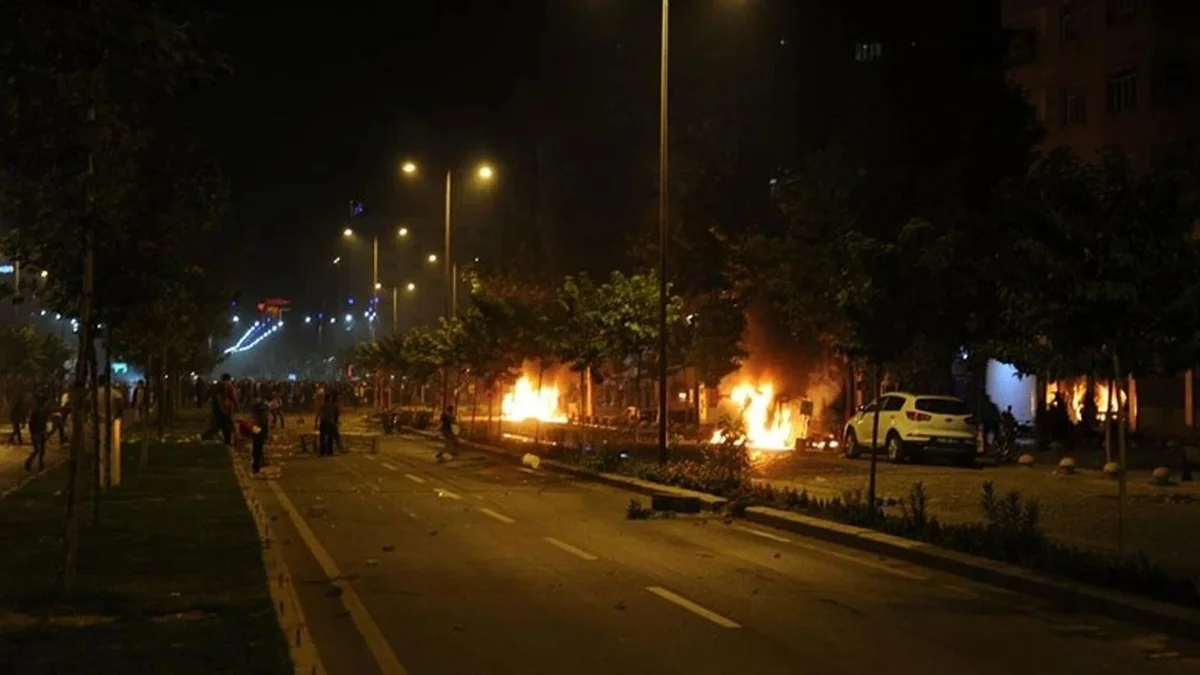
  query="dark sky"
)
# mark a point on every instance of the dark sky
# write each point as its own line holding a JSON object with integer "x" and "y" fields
{"x": 561, "y": 95}
{"x": 324, "y": 102}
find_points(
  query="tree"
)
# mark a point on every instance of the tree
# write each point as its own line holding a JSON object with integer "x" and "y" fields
{"x": 81, "y": 85}
{"x": 1110, "y": 272}
{"x": 583, "y": 344}
{"x": 631, "y": 314}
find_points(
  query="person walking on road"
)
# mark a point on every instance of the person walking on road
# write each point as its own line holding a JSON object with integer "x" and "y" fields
{"x": 38, "y": 418}
{"x": 328, "y": 421}
{"x": 18, "y": 414}
{"x": 449, "y": 434}
{"x": 224, "y": 403}
{"x": 258, "y": 439}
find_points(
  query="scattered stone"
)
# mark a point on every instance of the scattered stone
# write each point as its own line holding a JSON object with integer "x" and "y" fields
{"x": 777, "y": 556}
{"x": 1026, "y": 460}
{"x": 531, "y": 460}
{"x": 389, "y": 548}
{"x": 1161, "y": 476}
{"x": 372, "y": 562}
{"x": 1112, "y": 469}
{"x": 1066, "y": 467}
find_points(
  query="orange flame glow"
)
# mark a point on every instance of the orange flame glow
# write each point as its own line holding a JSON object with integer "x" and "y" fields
{"x": 769, "y": 425}
{"x": 527, "y": 403}
{"x": 1077, "y": 394}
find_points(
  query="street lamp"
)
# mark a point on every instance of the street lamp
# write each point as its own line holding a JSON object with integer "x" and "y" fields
{"x": 408, "y": 168}
{"x": 45, "y": 274}
{"x": 396, "y": 305}
{"x": 378, "y": 285}
{"x": 663, "y": 133}
{"x": 403, "y": 232}
{"x": 347, "y": 232}
{"x": 337, "y": 260}
{"x": 411, "y": 287}
{"x": 432, "y": 258}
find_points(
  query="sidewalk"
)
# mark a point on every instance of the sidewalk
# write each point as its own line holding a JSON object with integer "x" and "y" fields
{"x": 12, "y": 463}
{"x": 1080, "y": 510}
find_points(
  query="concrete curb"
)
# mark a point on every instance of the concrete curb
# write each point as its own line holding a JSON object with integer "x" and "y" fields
{"x": 708, "y": 502}
{"x": 32, "y": 477}
{"x": 305, "y": 658}
{"x": 1158, "y": 616}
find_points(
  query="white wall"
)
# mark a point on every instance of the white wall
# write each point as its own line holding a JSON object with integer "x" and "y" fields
{"x": 1006, "y": 388}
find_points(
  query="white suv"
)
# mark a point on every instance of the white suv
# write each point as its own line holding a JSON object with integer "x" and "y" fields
{"x": 914, "y": 424}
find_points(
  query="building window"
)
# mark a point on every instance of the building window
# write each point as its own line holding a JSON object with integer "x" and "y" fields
{"x": 1073, "y": 111}
{"x": 1121, "y": 10}
{"x": 1070, "y": 21}
{"x": 865, "y": 52}
{"x": 1022, "y": 47}
{"x": 1122, "y": 91}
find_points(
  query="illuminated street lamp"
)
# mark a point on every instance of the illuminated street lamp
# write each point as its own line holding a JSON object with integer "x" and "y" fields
{"x": 45, "y": 274}
{"x": 484, "y": 172}
{"x": 403, "y": 232}
{"x": 408, "y": 168}
{"x": 432, "y": 258}
{"x": 337, "y": 260}
{"x": 411, "y": 287}
{"x": 347, "y": 232}
{"x": 378, "y": 285}
{"x": 236, "y": 319}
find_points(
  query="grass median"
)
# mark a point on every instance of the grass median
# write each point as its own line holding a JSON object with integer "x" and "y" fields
{"x": 171, "y": 581}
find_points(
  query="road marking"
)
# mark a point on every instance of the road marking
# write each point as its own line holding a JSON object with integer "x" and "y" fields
{"x": 370, "y": 457}
{"x": 693, "y": 607}
{"x": 410, "y": 514}
{"x": 764, "y": 535}
{"x": 527, "y": 470}
{"x": 498, "y": 516}
{"x": 414, "y": 478}
{"x": 960, "y": 591}
{"x": 378, "y": 645}
{"x": 387, "y": 466}
{"x": 577, "y": 552}
{"x": 446, "y": 493}
{"x": 866, "y": 563}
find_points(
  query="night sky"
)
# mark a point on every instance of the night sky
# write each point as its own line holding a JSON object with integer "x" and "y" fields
{"x": 561, "y": 97}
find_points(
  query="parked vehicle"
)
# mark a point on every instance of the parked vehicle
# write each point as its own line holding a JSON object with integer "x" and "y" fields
{"x": 914, "y": 425}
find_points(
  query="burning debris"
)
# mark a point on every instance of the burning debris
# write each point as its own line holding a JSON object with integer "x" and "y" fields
{"x": 1076, "y": 395}
{"x": 529, "y": 403}
{"x": 772, "y": 422}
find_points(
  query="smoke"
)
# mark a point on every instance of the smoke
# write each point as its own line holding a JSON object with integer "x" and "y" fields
{"x": 774, "y": 356}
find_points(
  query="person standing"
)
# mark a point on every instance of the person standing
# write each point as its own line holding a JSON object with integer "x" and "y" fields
{"x": 38, "y": 417}
{"x": 276, "y": 409}
{"x": 17, "y": 415}
{"x": 448, "y": 434}
{"x": 328, "y": 421}
{"x": 258, "y": 439}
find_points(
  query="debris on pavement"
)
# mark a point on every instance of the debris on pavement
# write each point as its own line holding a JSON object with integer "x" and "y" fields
{"x": 389, "y": 548}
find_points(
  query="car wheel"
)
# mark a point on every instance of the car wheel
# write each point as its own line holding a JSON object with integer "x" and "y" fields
{"x": 851, "y": 442}
{"x": 895, "y": 449}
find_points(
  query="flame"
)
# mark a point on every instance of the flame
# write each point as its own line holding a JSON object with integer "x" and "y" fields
{"x": 525, "y": 402}
{"x": 1076, "y": 395}
{"x": 769, "y": 426}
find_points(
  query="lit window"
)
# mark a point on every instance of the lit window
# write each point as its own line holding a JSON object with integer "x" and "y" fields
{"x": 868, "y": 51}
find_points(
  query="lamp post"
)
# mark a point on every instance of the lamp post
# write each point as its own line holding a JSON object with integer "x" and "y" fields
{"x": 663, "y": 130}
{"x": 396, "y": 306}
{"x": 484, "y": 173}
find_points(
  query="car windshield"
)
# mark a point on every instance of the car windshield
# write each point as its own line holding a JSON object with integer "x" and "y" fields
{"x": 942, "y": 406}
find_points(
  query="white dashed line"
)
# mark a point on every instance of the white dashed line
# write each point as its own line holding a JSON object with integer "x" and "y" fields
{"x": 498, "y": 516}
{"x": 447, "y": 494}
{"x": 577, "y": 552}
{"x": 764, "y": 535}
{"x": 528, "y": 470}
{"x": 414, "y": 478}
{"x": 693, "y": 607}
{"x": 387, "y": 466}
{"x": 410, "y": 514}
{"x": 960, "y": 591}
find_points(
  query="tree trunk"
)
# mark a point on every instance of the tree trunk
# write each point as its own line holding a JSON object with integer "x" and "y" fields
{"x": 114, "y": 457}
{"x": 98, "y": 471}
{"x": 637, "y": 399}
{"x": 1039, "y": 421}
{"x": 143, "y": 444}
{"x": 537, "y": 423}
{"x": 70, "y": 552}
{"x": 874, "y": 440}
{"x": 474, "y": 403}
{"x": 160, "y": 390}
{"x": 1110, "y": 416}
{"x": 1122, "y": 488}
{"x": 490, "y": 408}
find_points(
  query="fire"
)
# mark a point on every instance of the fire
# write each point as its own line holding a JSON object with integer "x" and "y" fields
{"x": 1077, "y": 394}
{"x": 525, "y": 402}
{"x": 769, "y": 426}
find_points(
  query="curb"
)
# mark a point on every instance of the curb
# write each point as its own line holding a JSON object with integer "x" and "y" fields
{"x": 708, "y": 502}
{"x": 305, "y": 658}
{"x": 1159, "y": 616}
{"x": 22, "y": 483}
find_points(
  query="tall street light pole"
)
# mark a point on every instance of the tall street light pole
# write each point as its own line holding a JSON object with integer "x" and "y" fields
{"x": 663, "y": 134}
{"x": 446, "y": 256}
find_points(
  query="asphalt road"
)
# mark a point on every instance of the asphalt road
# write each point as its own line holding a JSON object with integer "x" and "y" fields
{"x": 478, "y": 566}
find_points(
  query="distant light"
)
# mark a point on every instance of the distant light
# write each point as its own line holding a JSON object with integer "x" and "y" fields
{"x": 349, "y": 318}
{"x": 378, "y": 285}
{"x": 432, "y": 257}
{"x": 350, "y": 300}
{"x": 58, "y": 317}
{"x": 7, "y": 269}
{"x": 485, "y": 172}
{"x": 477, "y": 260}
{"x": 411, "y": 286}
{"x": 408, "y": 168}
{"x": 308, "y": 319}
{"x": 236, "y": 319}
{"x": 43, "y": 312}
{"x": 45, "y": 274}
{"x": 291, "y": 377}
{"x": 280, "y": 324}
{"x": 337, "y": 260}
{"x": 403, "y": 232}
{"x": 366, "y": 315}
{"x": 347, "y": 232}
{"x": 333, "y": 319}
